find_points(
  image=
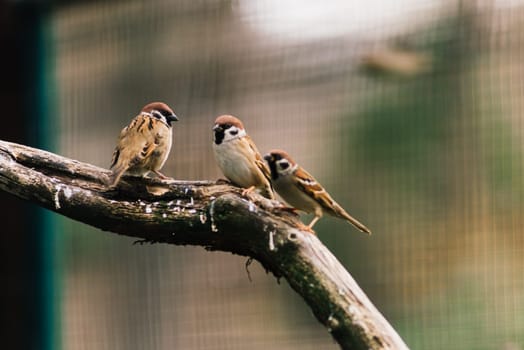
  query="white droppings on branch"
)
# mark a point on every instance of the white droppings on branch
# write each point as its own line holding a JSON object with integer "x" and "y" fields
{"x": 67, "y": 192}
{"x": 352, "y": 310}
{"x": 212, "y": 217}
{"x": 203, "y": 218}
{"x": 148, "y": 209}
{"x": 271, "y": 241}
{"x": 332, "y": 323}
{"x": 58, "y": 188}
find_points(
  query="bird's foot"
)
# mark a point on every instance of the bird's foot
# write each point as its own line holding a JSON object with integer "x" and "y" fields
{"x": 247, "y": 191}
{"x": 307, "y": 228}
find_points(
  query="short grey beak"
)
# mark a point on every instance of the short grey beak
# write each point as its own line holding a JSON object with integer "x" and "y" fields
{"x": 268, "y": 158}
{"x": 217, "y": 128}
{"x": 172, "y": 118}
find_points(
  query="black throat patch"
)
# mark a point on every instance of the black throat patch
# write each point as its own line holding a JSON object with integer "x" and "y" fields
{"x": 219, "y": 136}
{"x": 273, "y": 168}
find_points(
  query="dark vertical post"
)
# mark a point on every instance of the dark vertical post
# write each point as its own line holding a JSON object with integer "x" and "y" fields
{"x": 26, "y": 263}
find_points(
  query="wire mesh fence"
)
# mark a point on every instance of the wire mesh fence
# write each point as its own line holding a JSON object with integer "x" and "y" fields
{"x": 411, "y": 116}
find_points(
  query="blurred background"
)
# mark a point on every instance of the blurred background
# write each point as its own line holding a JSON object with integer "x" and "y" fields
{"x": 408, "y": 112}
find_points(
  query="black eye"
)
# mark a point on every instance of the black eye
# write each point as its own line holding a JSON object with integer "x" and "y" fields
{"x": 284, "y": 165}
{"x": 234, "y": 132}
{"x": 165, "y": 113}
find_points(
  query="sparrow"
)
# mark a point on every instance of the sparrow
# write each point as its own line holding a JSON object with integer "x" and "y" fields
{"x": 297, "y": 187}
{"x": 144, "y": 144}
{"x": 238, "y": 157}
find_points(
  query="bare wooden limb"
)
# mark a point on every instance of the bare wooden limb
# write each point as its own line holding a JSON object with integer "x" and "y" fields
{"x": 207, "y": 214}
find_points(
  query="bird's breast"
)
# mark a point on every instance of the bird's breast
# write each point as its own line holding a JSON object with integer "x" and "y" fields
{"x": 237, "y": 162}
{"x": 293, "y": 195}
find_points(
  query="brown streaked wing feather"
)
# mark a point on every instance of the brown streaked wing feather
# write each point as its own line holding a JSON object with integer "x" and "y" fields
{"x": 307, "y": 182}
{"x": 116, "y": 153}
{"x": 115, "y": 157}
{"x": 259, "y": 160}
{"x": 310, "y": 185}
{"x": 145, "y": 152}
{"x": 135, "y": 143}
{"x": 263, "y": 167}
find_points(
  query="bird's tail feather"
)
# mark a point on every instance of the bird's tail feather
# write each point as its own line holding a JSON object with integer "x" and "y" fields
{"x": 344, "y": 215}
{"x": 115, "y": 176}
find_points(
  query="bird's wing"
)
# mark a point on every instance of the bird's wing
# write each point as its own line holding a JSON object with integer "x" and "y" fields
{"x": 136, "y": 143}
{"x": 307, "y": 183}
{"x": 261, "y": 164}
{"x": 310, "y": 186}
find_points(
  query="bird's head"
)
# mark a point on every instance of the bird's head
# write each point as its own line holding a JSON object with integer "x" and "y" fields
{"x": 161, "y": 111}
{"x": 280, "y": 163}
{"x": 228, "y": 128}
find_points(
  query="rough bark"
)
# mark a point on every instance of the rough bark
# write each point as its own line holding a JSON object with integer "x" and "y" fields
{"x": 215, "y": 216}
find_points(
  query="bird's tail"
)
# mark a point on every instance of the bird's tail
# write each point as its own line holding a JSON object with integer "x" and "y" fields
{"x": 344, "y": 215}
{"x": 115, "y": 176}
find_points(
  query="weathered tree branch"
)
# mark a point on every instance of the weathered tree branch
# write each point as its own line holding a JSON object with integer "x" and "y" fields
{"x": 207, "y": 214}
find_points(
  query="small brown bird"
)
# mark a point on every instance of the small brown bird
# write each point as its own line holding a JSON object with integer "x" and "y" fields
{"x": 238, "y": 157}
{"x": 297, "y": 187}
{"x": 144, "y": 144}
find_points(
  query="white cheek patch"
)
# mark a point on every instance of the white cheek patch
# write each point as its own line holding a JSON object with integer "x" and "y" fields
{"x": 241, "y": 133}
{"x": 232, "y": 136}
{"x": 287, "y": 170}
